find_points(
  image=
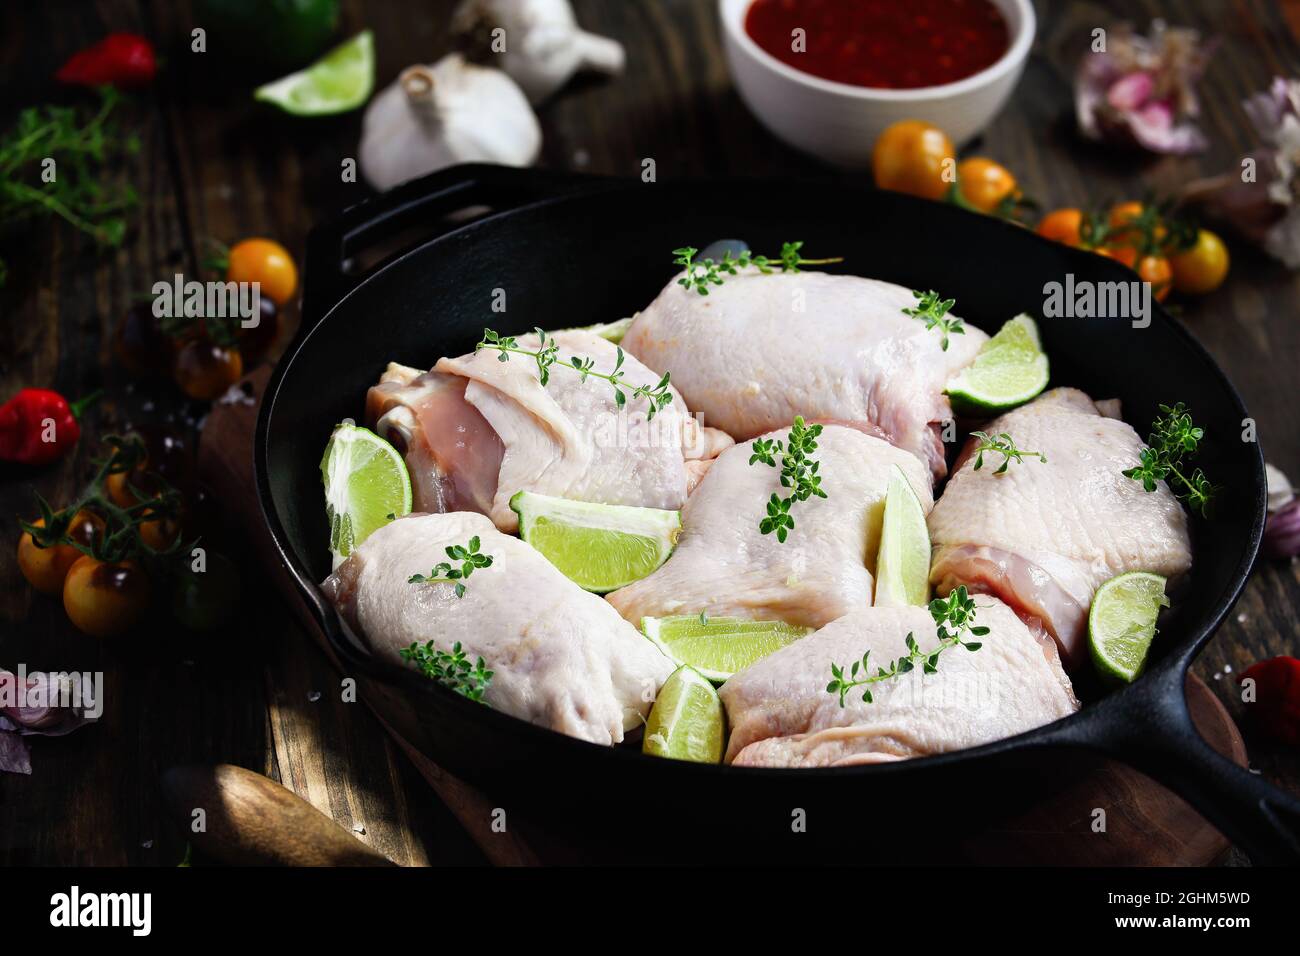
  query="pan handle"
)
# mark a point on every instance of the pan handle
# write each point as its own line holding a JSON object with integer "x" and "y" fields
{"x": 1150, "y": 728}
{"x": 425, "y": 204}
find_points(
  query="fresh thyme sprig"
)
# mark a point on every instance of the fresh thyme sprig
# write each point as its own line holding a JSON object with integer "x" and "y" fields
{"x": 702, "y": 273}
{"x": 1174, "y": 437}
{"x": 658, "y": 396}
{"x": 934, "y": 311}
{"x": 798, "y": 473}
{"x": 1004, "y": 445}
{"x": 450, "y": 669}
{"x": 470, "y": 559}
{"x": 953, "y": 617}
{"x": 77, "y": 144}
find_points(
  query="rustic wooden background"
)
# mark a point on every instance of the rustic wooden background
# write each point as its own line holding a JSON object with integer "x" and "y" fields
{"x": 214, "y": 165}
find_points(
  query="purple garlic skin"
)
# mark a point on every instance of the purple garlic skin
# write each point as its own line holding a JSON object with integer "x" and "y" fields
{"x": 1266, "y": 209}
{"x": 1141, "y": 90}
{"x": 1282, "y": 532}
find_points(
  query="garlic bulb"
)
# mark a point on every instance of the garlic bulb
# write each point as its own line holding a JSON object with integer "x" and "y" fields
{"x": 1280, "y": 492}
{"x": 540, "y": 44}
{"x": 440, "y": 115}
{"x": 1282, "y": 533}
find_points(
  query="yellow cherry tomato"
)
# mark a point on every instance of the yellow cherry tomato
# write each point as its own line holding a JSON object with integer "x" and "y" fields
{"x": 267, "y": 262}
{"x": 118, "y": 492}
{"x": 204, "y": 370}
{"x": 1062, "y": 225}
{"x": 159, "y": 533}
{"x": 1124, "y": 213}
{"x": 1127, "y": 216}
{"x": 1120, "y": 253}
{"x": 985, "y": 184}
{"x": 105, "y": 600}
{"x": 1157, "y": 271}
{"x": 909, "y": 157}
{"x": 46, "y": 568}
{"x": 1203, "y": 267}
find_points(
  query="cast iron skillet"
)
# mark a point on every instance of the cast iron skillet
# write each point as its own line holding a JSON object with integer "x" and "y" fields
{"x": 571, "y": 251}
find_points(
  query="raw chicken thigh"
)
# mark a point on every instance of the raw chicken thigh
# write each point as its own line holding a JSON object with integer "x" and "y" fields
{"x": 563, "y": 658}
{"x": 477, "y": 430}
{"x": 760, "y": 349}
{"x": 452, "y": 453}
{"x": 724, "y": 565}
{"x": 782, "y": 716}
{"x": 1045, "y": 536}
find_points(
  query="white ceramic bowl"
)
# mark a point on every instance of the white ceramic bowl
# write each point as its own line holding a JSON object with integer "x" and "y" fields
{"x": 838, "y": 122}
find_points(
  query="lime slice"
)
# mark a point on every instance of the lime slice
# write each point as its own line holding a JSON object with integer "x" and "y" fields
{"x": 1008, "y": 371}
{"x": 598, "y": 547}
{"x": 903, "y": 563}
{"x": 1122, "y": 623}
{"x": 339, "y": 81}
{"x": 611, "y": 331}
{"x": 686, "y": 721}
{"x": 719, "y": 647}
{"x": 366, "y": 485}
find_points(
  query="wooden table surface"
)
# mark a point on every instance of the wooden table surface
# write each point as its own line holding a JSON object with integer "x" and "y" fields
{"x": 213, "y": 165}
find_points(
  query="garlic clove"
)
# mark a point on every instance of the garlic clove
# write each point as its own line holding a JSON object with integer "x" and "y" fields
{"x": 451, "y": 112}
{"x": 1282, "y": 532}
{"x": 599, "y": 54}
{"x": 538, "y": 42}
{"x": 1280, "y": 491}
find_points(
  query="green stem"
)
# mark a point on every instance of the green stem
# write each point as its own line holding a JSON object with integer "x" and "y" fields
{"x": 558, "y": 361}
{"x": 80, "y": 405}
{"x": 1192, "y": 491}
{"x": 21, "y": 149}
{"x": 820, "y": 262}
{"x": 913, "y": 656}
{"x": 56, "y": 207}
{"x": 638, "y": 391}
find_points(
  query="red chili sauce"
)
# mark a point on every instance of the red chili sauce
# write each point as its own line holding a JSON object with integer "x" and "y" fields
{"x": 885, "y": 44}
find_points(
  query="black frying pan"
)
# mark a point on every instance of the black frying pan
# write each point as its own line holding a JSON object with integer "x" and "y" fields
{"x": 573, "y": 251}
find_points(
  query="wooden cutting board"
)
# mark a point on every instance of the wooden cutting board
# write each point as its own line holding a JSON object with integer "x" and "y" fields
{"x": 1146, "y": 825}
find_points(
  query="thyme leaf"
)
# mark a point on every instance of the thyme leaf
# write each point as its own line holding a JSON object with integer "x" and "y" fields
{"x": 1175, "y": 437}
{"x": 798, "y": 473}
{"x": 1004, "y": 445}
{"x": 470, "y": 558}
{"x": 548, "y": 355}
{"x": 934, "y": 312}
{"x": 62, "y": 141}
{"x": 451, "y": 669}
{"x": 953, "y": 616}
{"x": 702, "y": 273}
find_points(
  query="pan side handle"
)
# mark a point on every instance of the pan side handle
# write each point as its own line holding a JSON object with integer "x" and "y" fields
{"x": 1150, "y": 728}
{"x": 430, "y": 205}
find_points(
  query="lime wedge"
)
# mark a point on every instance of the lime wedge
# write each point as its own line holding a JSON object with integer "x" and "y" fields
{"x": 719, "y": 647}
{"x": 686, "y": 721}
{"x": 1122, "y": 623}
{"x": 1008, "y": 371}
{"x": 598, "y": 547}
{"x": 903, "y": 563}
{"x": 339, "y": 81}
{"x": 366, "y": 485}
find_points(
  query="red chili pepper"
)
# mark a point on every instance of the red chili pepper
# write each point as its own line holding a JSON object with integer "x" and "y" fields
{"x": 1275, "y": 711}
{"x": 38, "y": 426}
{"x": 124, "y": 60}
